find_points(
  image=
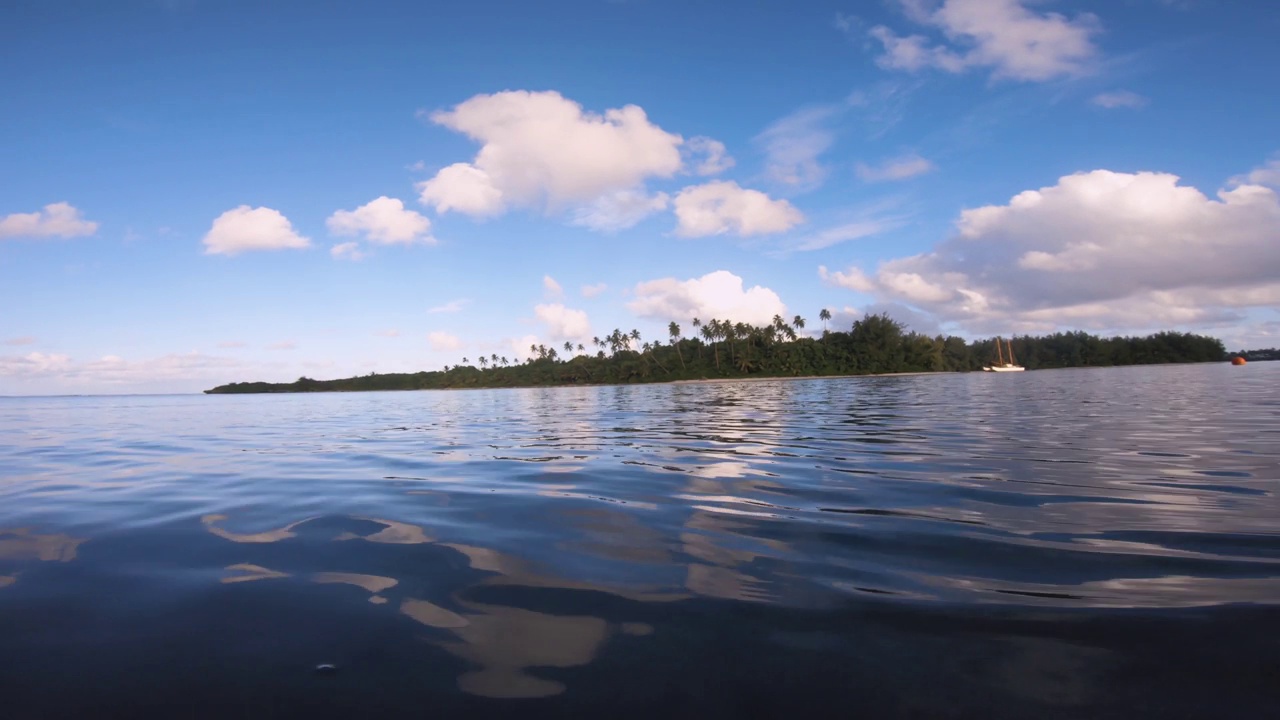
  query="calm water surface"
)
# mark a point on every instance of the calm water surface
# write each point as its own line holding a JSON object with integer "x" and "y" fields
{"x": 1079, "y": 543}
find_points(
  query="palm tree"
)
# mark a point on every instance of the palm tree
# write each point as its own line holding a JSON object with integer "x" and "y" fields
{"x": 484, "y": 362}
{"x": 568, "y": 347}
{"x": 635, "y": 335}
{"x": 797, "y": 322}
{"x": 709, "y": 332}
{"x": 824, "y": 316}
{"x": 494, "y": 359}
{"x": 465, "y": 361}
{"x": 581, "y": 347}
{"x": 697, "y": 324}
{"x": 505, "y": 361}
{"x": 674, "y": 331}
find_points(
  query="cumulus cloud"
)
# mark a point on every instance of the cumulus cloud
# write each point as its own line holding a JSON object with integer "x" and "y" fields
{"x": 551, "y": 288}
{"x": 244, "y": 228}
{"x": 1119, "y": 99}
{"x": 720, "y": 207}
{"x": 34, "y": 363}
{"x": 1006, "y": 36}
{"x": 520, "y": 347}
{"x": 346, "y": 251}
{"x": 718, "y": 295}
{"x": 443, "y": 341}
{"x": 900, "y": 168}
{"x": 590, "y": 291}
{"x": 563, "y": 323}
{"x": 1099, "y": 250}
{"x": 793, "y": 144}
{"x": 181, "y": 372}
{"x": 620, "y": 210}
{"x": 1268, "y": 175}
{"x": 464, "y": 188}
{"x": 711, "y": 155}
{"x": 843, "y": 319}
{"x": 55, "y": 220}
{"x": 452, "y": 306}
{"x": 384, "y": 221}
{"x": 541, "y": 150}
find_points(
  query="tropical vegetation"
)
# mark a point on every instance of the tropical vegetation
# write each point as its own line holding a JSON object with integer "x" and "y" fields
{"x": 876, "y": 344}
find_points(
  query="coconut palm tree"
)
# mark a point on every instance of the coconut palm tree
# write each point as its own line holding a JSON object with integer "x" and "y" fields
{"x": 568, "y": 347}
{"x": 824, "y": 316}
{"x": 709, "y": 332}
{"x": 673, "y": 330}
{"x": 797, "y": 322}
{"x": 484, "y": 362}
{"x": 697, "y": 324}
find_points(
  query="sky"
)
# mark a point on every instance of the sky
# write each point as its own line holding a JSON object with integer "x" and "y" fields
{"x": 195, "y": 192}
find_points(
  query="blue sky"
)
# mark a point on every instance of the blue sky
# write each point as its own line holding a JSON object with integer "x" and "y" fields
{"x": 195, "y": 192}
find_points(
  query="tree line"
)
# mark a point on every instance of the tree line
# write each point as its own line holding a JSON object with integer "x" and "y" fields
{"x": 876, "y": 344}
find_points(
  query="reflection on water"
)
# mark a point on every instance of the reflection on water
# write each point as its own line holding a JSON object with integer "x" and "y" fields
{"x": 1017, "y": 545}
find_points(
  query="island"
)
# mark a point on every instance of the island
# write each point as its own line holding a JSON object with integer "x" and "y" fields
{"x": 874, "y": 345}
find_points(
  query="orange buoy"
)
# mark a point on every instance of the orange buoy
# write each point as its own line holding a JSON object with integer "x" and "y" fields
{"x": 1237, "y": 360}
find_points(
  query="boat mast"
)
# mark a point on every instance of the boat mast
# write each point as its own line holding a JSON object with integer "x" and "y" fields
{"x": 1011, "y": 360}
{"x": 999, "y": 353}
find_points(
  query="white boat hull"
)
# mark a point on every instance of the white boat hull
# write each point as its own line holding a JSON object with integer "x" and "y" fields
{"x": 1005, "y": 368}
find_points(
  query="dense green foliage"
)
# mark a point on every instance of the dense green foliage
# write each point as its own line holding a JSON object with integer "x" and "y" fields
{"x": 875, "y": 344}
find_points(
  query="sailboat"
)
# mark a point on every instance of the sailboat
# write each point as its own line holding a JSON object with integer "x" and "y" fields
{"x": 1001, "y": 364}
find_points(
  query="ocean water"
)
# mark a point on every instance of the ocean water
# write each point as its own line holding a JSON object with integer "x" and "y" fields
{"x": 1096, "y": 543}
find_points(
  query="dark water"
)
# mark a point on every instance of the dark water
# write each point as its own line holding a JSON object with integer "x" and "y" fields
{"x": 1091, "y": 544}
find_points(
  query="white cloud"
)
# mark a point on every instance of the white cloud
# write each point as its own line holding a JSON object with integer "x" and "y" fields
{"x": 714, "y": 156}
{"x": 541, "y": 150}
{"x": 452, "y": 306}
{"x": 1119, "y": 99}
{"x": 720, "y": 206}
{"x": 464, "y": 188}
{"x": 1004, "y": 35}
{"x": 619, "y": 210}
{"x": 244, "y": 228}
{"x": 1268, "y": 175}
{"x": 901, "y": 168}
{"x": 718, "y": 295}
{"x": 443, "y": 341}
{"x": 55, "y": 220}
{"x": 1099, "y": 250}
{"x": 283, "y": 345}
{"x": 551, "y": 288}
{"x": 24, "y": 340}
{"x": 520, "y": 347}
{"x": 35, "y": 363}
{"x": 590, "y": 291}
{"x": 563, "y": 323}
{"x": 853, "y": 279}
{"x": 183, "y": 372}
{"x": 384, "y": 221}
{"x": 868, "y": 226}
{"x": 346, "y": 251}
{"x": 793, "y": 144}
